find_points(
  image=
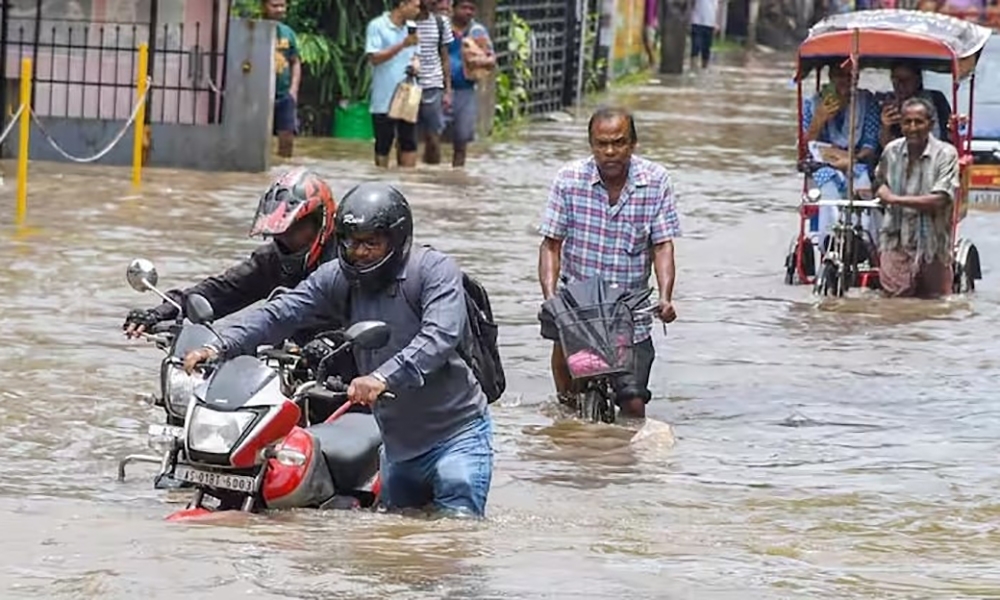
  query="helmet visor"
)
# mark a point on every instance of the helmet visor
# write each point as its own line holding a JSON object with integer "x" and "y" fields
{"x": 276, "y": 213}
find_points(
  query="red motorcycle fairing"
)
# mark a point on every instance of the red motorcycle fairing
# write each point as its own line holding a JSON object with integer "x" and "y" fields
{"x": 194, "y": 514}
{"x": 293, "y": 485}
{"x": 266, "y": 432}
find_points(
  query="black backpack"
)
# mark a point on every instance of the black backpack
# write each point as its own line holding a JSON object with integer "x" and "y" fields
{"x": 479, "y": 350}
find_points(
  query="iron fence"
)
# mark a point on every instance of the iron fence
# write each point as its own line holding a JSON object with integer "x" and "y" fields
{"x": 565, "y": 45}
{"x": 551, "y": 23}
{"x": 88, "y": 68}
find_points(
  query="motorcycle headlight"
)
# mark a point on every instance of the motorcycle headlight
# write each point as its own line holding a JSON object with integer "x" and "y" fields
{"x": 214, "y": 432}
{"x": 178, "y": 390}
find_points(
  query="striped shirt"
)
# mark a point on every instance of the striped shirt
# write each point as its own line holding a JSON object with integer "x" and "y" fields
{"x": 432, "y": 38}
{"x": 611, "y": 241}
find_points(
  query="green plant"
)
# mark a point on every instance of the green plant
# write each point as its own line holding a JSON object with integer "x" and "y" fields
{"x": 332, "y": 45}
{"x": 331, "y": 39}
{"x": 593, "y": 70}
{"x": 512, "y": 82}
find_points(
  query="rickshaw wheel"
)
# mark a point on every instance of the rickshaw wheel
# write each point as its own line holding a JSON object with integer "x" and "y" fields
{"x": 808, "y": 262}
{"x": 963, "y": 282}
{"x": 827, "y": 284}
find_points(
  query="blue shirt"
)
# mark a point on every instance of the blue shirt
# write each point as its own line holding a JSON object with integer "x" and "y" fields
{"x": 437, "y": 394}
{"x": 477, "y": 31}
{"x": 382, "y": 34}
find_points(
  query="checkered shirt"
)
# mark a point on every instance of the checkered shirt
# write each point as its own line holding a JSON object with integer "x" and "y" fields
{"x": 613, "y": 241}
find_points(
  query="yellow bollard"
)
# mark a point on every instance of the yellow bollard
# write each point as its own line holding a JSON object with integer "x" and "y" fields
{"x": 22, "y": 142}
{"x": 140, "y": 117}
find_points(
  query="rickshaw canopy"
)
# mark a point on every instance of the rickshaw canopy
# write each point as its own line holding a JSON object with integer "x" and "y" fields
{"x": 931, "y": 41}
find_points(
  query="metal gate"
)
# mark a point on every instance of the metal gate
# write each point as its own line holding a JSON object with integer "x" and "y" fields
{"x": 566, "y": 55}
{"x": 85, "y": 57}
{"x": 552, "y": 24}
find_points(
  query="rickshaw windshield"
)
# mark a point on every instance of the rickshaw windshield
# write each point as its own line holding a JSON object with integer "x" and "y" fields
{"x": 986, "y": 122}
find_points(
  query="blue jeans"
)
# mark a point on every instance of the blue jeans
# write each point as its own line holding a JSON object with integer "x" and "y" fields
{"x": 454, "y": 475}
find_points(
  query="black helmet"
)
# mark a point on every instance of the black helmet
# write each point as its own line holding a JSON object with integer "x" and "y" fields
{"x": 369, "y": 208}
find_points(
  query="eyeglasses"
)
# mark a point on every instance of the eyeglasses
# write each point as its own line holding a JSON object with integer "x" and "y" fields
{"x": 370, "y": 245}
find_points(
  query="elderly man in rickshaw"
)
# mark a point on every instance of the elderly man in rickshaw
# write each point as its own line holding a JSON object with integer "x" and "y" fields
{"x": 826, "y": 121}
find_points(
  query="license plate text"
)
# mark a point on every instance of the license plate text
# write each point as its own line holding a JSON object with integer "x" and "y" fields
{"x": 236, "y": 483}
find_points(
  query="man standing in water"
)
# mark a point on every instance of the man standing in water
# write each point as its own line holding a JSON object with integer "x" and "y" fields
{"x": 918, "y": 176}
{"x": 287, "y": 78}
{"x": 434, "y": 33}
{"x": 472, "y": 59}
{"x": 392, "y": 50}
{"x": 612, "y": 215}
{"x": 704, "y": 26}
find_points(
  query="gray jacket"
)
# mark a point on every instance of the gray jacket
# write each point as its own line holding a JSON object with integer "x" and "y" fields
{"x": 437, "y": 394}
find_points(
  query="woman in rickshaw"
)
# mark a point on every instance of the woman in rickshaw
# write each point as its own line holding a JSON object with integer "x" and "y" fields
{"x": 908, "y": 82}
{"x": 826, "y": 122}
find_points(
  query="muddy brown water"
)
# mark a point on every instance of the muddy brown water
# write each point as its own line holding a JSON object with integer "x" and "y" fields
{"x": 835, "y": 449}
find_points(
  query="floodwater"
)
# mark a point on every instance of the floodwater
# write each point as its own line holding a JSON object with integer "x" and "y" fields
{"x": 835, "y": 449}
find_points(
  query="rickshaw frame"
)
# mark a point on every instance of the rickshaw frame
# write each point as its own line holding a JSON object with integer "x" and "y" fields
{"x": 878, "y": 39}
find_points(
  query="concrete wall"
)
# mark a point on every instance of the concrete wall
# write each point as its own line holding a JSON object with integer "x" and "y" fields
{"x": 242, "y": 142}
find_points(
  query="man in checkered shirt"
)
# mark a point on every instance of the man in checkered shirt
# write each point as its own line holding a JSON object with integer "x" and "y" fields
{"x": 613, "y": 215}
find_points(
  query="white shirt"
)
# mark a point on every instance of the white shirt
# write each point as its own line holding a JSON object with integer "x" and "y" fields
{"x": 706, "y": 12}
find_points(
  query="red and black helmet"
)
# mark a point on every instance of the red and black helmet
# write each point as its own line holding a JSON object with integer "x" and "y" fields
{"x": 293, "y": 197}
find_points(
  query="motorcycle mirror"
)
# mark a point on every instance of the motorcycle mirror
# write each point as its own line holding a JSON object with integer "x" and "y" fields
{"x": 141, "y": 275}
{"x": 368, "y": 334}
{"x": 198, "y": 309}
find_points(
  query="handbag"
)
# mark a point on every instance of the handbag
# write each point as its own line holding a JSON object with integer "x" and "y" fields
{"x": 405, "y": 104}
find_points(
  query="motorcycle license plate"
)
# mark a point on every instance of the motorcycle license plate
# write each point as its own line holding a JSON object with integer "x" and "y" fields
{"x": 165, "y": 432}
{"x": 236, "y": 483}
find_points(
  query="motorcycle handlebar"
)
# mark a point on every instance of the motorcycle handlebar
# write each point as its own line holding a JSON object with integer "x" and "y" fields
{"x": 323, "y": 394}
{"x": 280, "y": 355}
{"x": 163, "y": 327}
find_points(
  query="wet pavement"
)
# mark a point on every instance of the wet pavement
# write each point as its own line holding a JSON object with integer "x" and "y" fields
{"x": 834, "y": 449}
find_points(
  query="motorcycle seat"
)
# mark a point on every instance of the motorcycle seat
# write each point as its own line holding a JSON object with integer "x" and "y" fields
{"x": 350, "y": 446}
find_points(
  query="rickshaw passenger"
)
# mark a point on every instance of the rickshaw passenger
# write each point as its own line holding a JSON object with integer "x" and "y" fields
{"x": 826, "y": 121}
{"x": 918, "y": 176}
{"x": 908, "y": 82}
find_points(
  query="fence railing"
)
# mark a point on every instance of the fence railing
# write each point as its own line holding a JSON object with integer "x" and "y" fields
{"x": 86, "y": 69}
{"x": 25, "y": 115}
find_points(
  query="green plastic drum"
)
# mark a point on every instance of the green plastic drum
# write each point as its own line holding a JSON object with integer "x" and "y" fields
{"x": 353, "y": 122}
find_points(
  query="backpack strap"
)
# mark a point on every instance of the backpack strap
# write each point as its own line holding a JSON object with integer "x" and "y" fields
{"x": 412, "y": 285}
{"x": 440, "y": 24}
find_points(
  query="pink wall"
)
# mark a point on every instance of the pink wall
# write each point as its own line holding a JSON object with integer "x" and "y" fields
{"x": 188, "y": 24}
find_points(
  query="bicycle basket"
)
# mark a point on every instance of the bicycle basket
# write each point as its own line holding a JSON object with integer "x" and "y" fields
{"x": 597, "y": 340}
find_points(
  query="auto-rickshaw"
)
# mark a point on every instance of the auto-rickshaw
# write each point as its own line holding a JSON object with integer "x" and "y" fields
{"x": 846, "y": 256}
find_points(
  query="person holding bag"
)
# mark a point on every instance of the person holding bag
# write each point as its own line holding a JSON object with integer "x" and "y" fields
{"x": 391, "y": 45}
{"x": 472, "y": 60}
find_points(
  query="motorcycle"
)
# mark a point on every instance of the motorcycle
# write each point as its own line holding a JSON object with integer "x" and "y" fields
{"x": 175, "y": 338}
{"x": 244, "y": 447}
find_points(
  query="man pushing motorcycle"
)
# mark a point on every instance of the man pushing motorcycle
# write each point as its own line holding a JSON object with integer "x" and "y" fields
{"x": 295, "y": 216}
{"x": 436, "y": 430}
